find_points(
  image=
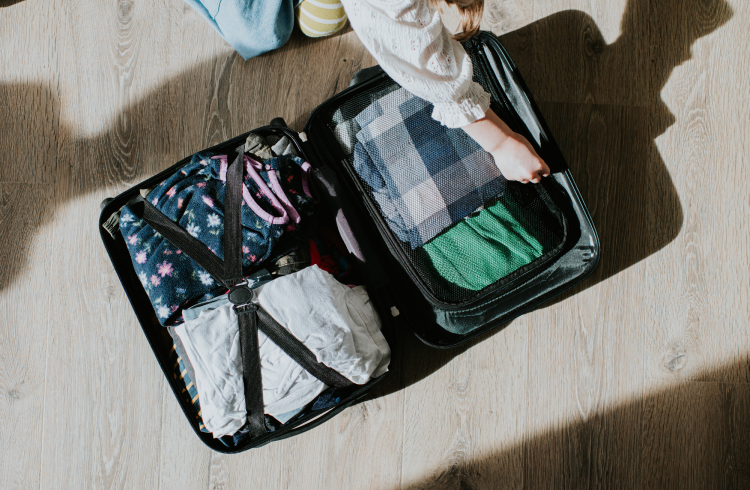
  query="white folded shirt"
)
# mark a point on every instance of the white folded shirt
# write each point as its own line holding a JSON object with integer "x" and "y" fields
{"x": 337, "y": 323}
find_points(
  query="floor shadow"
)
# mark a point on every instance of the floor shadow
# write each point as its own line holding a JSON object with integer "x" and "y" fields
{"x": 205, "y": 105}
{"x": 688, "y": 436}
{"x": 9, "y": 3}
{"x": 603, "y": 105}
{"x": 601, "y": 101}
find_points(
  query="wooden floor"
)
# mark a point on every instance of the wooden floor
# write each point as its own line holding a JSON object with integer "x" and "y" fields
{"x": 638, "y": 378}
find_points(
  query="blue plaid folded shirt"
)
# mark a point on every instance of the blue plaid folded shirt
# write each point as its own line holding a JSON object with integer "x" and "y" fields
{"x": 424, "y": 176}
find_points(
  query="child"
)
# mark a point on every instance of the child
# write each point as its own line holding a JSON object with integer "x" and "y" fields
{"x": 410, "y": 43}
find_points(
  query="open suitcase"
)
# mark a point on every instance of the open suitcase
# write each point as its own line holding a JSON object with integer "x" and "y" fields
{"x": 399, "y": 285}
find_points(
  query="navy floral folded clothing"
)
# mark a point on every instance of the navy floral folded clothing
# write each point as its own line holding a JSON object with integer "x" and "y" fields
{"x": 424, "y": 176}
{"x": 276, "y": 201}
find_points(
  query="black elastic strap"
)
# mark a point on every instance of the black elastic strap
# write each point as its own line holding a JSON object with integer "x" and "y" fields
{"x": 299, "y": 353}
{"x": 179, "y": 237}
{"x": 233, "y": 217}
{"x": 247, "y": 319}
{"x": 251, "y": 376}
{"x": 229, "y": 273}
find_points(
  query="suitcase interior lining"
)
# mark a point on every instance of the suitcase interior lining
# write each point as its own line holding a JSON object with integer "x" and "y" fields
{"x": 532, "y": 201}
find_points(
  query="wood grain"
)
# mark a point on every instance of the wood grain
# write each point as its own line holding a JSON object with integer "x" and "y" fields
{"x": 25, "y": 250}
{"x": 184, "y": 462}
{"x": 359, "y": 449}
{"x": 35, "y": 153}
{"x": 106, "y": 394}
{"x": 704, "y": 138}
{"x": 475, "y": 398}
{"x": 586, "y": 363}
{"x": 695, "y": 436}
{"x": 638, "y": 378}
{"x": 29, "y": 93}
{"x": 592, "y": 51}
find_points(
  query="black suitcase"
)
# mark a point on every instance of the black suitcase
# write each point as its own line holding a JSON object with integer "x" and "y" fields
{"x": 398, "y": 286}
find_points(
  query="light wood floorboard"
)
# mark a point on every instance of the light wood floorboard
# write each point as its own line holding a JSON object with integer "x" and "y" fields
{"x": 637, "y": 378}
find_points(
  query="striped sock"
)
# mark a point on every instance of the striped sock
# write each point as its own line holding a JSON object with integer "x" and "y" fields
{"x": 320, "y": 18}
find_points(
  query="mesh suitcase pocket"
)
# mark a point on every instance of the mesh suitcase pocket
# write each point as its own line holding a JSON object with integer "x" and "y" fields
{"x": 460, "y": 230}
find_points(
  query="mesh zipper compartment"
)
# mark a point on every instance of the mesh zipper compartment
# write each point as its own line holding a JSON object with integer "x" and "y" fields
{"x": 531, "y": 206}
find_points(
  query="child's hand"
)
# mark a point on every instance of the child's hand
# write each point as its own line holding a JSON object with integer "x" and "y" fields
{"x": 517, "y": 160}
{"x": 513, "y": 154}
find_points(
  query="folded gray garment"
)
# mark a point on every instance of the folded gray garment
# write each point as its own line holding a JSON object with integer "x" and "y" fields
{"x": 258, "y": 146}
{"x": 270, "y": 147}
{"x": 345, "y": 132}
{"x": 290, "y": 263}
{"x": 282, "y": 145}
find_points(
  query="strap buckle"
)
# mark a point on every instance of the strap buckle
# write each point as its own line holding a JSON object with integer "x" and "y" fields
{"x": 241, "y": 294}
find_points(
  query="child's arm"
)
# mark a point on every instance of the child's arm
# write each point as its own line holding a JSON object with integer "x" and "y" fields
{"x": 410, "y": 42}
{"x": 513, "y": 154}
{"x": 413, "y": 46}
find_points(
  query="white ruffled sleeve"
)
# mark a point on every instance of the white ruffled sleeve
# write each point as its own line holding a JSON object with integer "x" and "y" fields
{"x": 410, "y": 42}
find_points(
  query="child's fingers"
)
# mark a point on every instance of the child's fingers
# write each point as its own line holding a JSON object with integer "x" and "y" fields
{"x": 545, "y": 169}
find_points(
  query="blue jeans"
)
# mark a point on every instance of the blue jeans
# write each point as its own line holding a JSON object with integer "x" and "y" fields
{"x": 252, "y": 27}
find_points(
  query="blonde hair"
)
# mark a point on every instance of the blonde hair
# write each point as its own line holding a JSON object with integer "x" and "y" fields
{"x": 471, "y": 16}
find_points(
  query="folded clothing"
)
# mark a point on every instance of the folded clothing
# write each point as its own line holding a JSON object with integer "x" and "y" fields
{"x": 296, "y": 260}
{"x": 345, "y": 127}
{"x": 213, "y": 346}
{"x": 184, "y": 368}
{"x": 183, "y": 372}
{"x": 424, "y": 176}
{"x": 276, "y": 198}
{"x": 282, "y": 145}
{"x": 338, "y": 324}
{"x": 269, "y": 147}
{"x": 482, "y": 249}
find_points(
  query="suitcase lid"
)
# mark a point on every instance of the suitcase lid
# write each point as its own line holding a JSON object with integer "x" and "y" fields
{"x": 573, "y": 261}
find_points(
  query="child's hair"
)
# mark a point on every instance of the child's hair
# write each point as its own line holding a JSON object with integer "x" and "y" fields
{"x": 471, "y": 16}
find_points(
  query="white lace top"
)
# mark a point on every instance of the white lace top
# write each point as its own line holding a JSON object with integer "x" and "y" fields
{"x": 413, "y": 46}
